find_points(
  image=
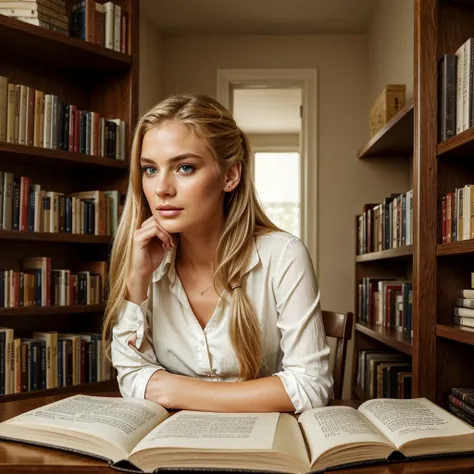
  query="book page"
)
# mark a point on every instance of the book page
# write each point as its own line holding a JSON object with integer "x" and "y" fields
{"x": 118, "y": 421}
{"x": 329, "y": 427}
{"x": 411, "y": 419}
{"x": 199, "y": 430}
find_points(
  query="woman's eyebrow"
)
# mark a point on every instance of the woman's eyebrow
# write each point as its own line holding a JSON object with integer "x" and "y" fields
{"x": 174, "y": 159}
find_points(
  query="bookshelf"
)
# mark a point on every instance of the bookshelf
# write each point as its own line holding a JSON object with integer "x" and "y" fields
{"x": 441, "y": 352}
{"x": 93, "y": 78}
{"x": 395, "y": 138}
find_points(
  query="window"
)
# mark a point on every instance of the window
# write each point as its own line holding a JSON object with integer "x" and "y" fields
{"x": 277, "y": 179}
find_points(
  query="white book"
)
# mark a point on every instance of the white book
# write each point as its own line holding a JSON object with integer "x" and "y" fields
{"x": 16, "y": 131}
{"x": 47, "y": 121}
{"x": 117, "y": 27}
{"x": 11, "y": 108}
{"x": 54, "y": 121}
{"x": 109, "y": 11}
{"x": 466, "y": 228}
{"x": 467, "y": 84}
{"x": 22, "y": 115}
{"x": 409, "y": 207}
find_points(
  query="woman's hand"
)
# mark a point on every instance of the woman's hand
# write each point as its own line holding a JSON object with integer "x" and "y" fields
{"x": 149, "y": 244}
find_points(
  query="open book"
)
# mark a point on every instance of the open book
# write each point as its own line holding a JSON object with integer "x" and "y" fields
{"x": 141, "y": 435}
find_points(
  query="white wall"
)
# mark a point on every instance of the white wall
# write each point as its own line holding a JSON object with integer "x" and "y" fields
{"x": 265, "y": 140}
{"x": 391, "y": 36}
{"x": 345, "y": 183}
{"x": 150, "y": 65}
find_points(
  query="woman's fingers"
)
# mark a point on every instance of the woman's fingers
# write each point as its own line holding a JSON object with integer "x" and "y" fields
{"x": 145, "y": 234}
{"x": 152, "y": 222}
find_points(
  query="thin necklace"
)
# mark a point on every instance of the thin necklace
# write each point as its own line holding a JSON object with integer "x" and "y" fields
{"x": 205, "y": 289}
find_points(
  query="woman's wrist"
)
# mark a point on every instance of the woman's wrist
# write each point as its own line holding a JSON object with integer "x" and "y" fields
{"x": 137, "y": 287}
{"x": 156, "y": 388}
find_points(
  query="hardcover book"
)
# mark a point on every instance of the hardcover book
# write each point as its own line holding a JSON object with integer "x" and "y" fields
{"x": 140, "y": 435}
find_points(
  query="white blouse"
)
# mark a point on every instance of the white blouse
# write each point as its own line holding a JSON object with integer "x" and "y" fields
{"x": 282, "y": 288}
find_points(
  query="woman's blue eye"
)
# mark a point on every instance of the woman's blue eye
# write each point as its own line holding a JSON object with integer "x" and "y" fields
{"x": 186, "y": 169}
{"x": 149, "y": 170}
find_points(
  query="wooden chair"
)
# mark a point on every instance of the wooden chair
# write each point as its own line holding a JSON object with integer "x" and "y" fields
{"x": 339, "y": 326}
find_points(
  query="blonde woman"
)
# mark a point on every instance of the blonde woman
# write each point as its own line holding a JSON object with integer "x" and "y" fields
{"x": 211, "y": 306}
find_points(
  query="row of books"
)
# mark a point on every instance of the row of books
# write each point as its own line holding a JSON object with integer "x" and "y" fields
{"x": 456, "y": 91}
{"x": 386, "y": 225}
{"x": 461, "y": 404}
{"x": 103, "y": 24}
{"x": 457, "y": 211}
{"x": 384, "y": 374}
{"x": 32, "y": 117}
{"x": 49, "y": 14}
{"x": 464, "y": 309}
{"x": 387, "y": 302}
{"x": 49, "y": 360}
{"x": 37, "y": 284}
{"x": 26, "y": 207}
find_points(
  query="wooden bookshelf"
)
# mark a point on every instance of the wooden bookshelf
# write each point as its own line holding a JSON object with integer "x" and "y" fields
{"x": 30, "y": 42}
{"x": 441, "y": 352}
{"x": 29, "y": 156}
{"x": 461, "y": 145}
{"x": 51, "y": 310}
{"x": 400, "y": 252}
{"x": 395, "y": 138}
{"x": 85, "y": 388}
{"x": 388, "y": 336}
{"x": 456, "y": 333}
{"x": 455, "y": 248}
{"x": 60, "y": 237}
{"x": 94, "y": 79}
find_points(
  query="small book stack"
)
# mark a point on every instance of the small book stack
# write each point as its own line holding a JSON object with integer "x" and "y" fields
{"x": 49, "y": 14}
{"x": 464, "y": 309}
{"x": 461, "y": 404}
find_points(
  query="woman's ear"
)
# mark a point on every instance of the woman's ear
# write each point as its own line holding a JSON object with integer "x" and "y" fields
{"x": 232, "y": 178}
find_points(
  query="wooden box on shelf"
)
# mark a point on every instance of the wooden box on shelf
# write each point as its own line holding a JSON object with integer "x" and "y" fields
{"x": 388, "y": 103}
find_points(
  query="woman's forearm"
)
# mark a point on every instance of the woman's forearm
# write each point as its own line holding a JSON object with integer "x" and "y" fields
{"x": 178, "y": 392}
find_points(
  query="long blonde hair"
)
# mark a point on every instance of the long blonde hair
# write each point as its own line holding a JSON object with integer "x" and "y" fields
{"x": 244, "y": 217}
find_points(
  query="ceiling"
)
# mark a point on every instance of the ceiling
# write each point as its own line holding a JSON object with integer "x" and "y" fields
{"x": 267, "y": 110}
{"x": 205, "y": 17}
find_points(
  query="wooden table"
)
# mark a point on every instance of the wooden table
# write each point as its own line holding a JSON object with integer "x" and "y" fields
{"x": 18, "y": 458}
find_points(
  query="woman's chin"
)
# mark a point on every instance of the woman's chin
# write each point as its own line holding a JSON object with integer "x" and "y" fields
{"x": 171, "y": 227}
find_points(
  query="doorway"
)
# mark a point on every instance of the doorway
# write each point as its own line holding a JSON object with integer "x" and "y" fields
{"x": 230, "y": 81}
{"x": 271, "y": 119}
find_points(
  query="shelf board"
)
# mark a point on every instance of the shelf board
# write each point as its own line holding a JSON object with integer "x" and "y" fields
{"x": 50, "y": 310}
{"x": 30, "y": 154}
{"x": 405, "y": 251}
{"x": 456, "y": 333}
{"x": 395, "y": 138}
{"x": 389, "y": 336}
{"x": 43, "y": 46}
{"x": 55, "y": 237}
{"x": 93, "y": 387}
{"x": 455, "y": 248}
{"x": 461, "y": 145}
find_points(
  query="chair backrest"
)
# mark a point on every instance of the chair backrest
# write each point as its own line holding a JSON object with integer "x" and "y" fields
{"x": 339, "y": 326}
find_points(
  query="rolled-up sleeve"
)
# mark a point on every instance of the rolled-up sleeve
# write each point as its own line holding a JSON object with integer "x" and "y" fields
{"x": 134, "y": 365}
{"x": 305, "y": 364}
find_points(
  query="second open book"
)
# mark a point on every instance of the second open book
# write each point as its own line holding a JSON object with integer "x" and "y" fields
{"x": 139, "y": 434}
